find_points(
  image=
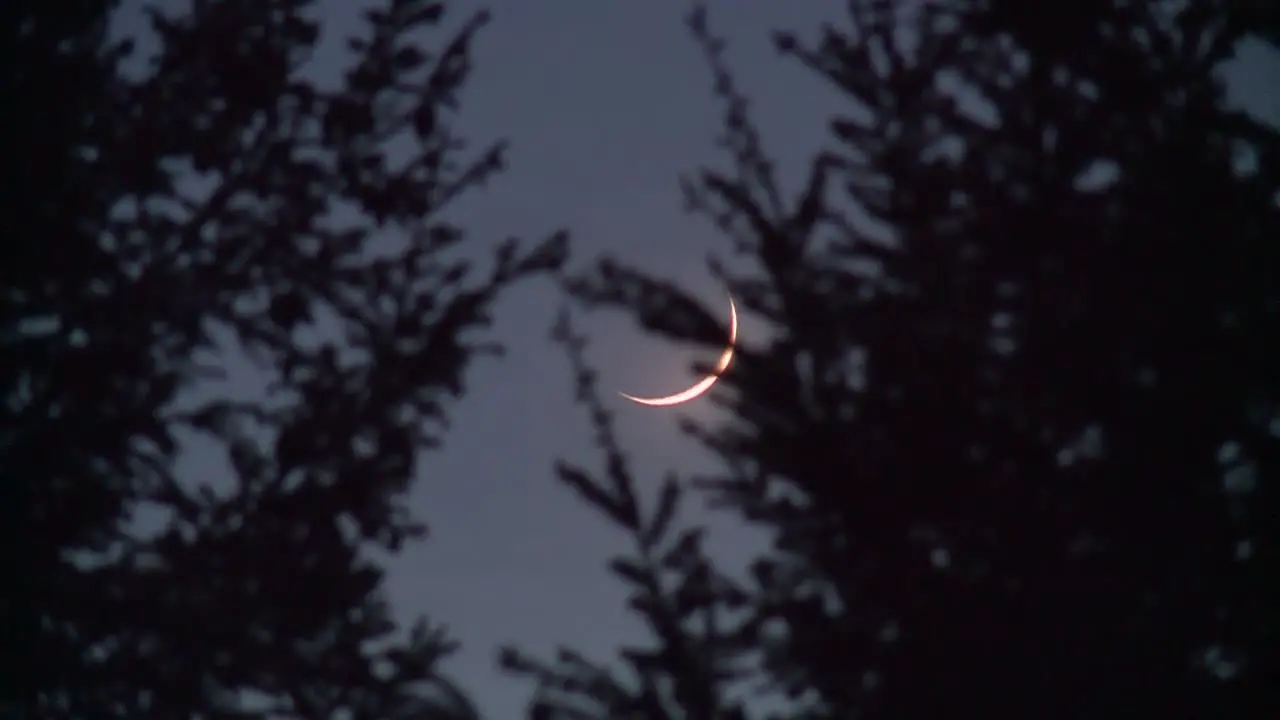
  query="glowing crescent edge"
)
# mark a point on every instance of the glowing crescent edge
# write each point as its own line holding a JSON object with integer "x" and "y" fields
{"x": 706, "y": 383}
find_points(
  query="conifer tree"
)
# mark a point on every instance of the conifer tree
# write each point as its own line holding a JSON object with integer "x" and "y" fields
{"x": 1016, "y": 434}
{"x": 222, "y": 202}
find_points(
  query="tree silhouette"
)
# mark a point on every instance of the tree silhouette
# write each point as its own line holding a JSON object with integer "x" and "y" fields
{"x": 1018, "y": 434}
{"x": 150, "y": 219}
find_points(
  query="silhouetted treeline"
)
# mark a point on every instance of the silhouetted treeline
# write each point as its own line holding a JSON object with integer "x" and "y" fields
{"x": 1017, "y": 436}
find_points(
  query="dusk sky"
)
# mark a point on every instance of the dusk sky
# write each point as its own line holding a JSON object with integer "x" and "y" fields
{"x": 605, "y": 103}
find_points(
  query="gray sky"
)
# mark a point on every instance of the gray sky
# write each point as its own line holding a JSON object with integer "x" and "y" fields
{"x": 605, "y": 103}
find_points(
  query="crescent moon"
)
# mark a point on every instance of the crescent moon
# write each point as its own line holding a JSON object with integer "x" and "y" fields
{"x": 706, "y": 382}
